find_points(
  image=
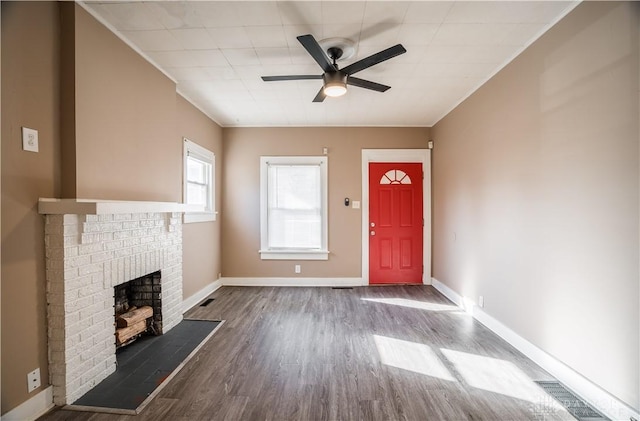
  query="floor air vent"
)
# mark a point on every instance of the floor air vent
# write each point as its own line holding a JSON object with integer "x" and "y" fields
{"x": 207, "y": 302}
{"x": 341, "y": 287}
{"x": 576, "y": 406}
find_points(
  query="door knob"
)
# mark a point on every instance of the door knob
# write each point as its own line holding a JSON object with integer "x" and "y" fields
{"x": 373, "y": 224}
{"x": 373, "y": 233}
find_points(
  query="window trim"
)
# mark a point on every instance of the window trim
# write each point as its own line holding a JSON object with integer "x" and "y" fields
{"x": 205, "y": 155}
{"x": 267, "y": 253}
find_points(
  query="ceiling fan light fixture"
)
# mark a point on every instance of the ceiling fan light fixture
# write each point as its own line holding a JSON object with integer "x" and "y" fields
{"x": 335, "y": 84}
{"x": 335, "y": 89}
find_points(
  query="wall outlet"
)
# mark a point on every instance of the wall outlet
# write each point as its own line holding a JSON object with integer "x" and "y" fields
{"x": 481, "y": 301}
{"x": 29, "y": 139}
{"x": 33, "y": 380}
{"x": 355, "y": 204}
{"x": 297, "y": 268}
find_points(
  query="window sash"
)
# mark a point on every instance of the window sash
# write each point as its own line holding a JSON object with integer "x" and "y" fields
{"x": 197, "y": 170}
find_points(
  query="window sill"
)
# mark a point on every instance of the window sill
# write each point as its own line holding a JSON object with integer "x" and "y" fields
{"x": 294, "y": 254}
{"x": 199, "y": 217}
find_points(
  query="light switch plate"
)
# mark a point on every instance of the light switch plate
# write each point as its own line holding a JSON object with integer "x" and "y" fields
{"x": 355, "y": 204}
{"x": 29, "y": 139}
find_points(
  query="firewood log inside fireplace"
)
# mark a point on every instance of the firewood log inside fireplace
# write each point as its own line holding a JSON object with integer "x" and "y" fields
{"x": 132, "y": 323}
{"x": 133, "y": 316}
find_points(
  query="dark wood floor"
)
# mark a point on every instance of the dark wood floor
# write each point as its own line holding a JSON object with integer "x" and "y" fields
{"x": 376, "y": 353}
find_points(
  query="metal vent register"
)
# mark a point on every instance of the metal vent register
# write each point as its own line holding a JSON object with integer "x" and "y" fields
{"x": 576, "y": 406}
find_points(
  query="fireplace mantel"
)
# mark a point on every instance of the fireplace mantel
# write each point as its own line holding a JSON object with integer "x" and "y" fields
{"x": 48, "y": 206}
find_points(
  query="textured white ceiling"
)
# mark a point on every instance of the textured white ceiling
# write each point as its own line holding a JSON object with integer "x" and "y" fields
{"x": 216, "y": 52}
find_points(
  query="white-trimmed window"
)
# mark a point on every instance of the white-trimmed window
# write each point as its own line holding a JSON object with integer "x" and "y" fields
{"x": 293, "y": 208}
{"x": 199, "y": 182}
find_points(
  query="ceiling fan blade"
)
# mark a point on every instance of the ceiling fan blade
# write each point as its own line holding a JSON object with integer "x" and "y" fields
{"x": 374, "y": 59}
{"x": 321, "y": 96}
{"x": 367, "y": 84}
{"x": 290, "y": 77}
{"x": 311, "y": 45}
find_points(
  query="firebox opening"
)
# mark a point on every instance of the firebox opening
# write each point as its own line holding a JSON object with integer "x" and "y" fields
{"x": 138, "y": 308}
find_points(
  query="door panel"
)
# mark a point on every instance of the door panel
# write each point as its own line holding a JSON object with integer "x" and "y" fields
{"x": 405, "y": 253}
{"x": 385, "y": 254}
{"x": 395, "y": 223}
{"x": 406, "y": 207}
{"x": 384, "y": 208}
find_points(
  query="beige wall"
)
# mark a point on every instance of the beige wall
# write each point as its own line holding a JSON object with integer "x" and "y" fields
{"x": 30, "y": 96}
{"x": 68, "y": 100}
{"x": 241, "y": 193}
{"x": 201, "y": 241}
{"x": 129, "y": 129}
{"x": 125, "y": 121}
{"x": 123, "y": 131}
{"x": 535, "y": 184}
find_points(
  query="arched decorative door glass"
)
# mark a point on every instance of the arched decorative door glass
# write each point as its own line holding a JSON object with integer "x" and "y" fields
{"x": 395, "y": 177}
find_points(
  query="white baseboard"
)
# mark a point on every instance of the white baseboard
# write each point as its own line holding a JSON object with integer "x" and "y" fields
{"x": 593, "y": 394}
{"x": 33, "y": 408}
{"x": 293, "y": 282}
{"x": 447, "y": 292}
{"x": 188, "y": 303}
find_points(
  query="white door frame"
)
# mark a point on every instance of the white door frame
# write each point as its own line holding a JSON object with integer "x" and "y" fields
{"x": 422, "y": 156}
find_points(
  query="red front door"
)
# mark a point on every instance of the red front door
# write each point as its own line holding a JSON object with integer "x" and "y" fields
{"x": 395, "y": 223}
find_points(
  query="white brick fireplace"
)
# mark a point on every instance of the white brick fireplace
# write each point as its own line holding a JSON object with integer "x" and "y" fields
{"x": 92, "y": 246}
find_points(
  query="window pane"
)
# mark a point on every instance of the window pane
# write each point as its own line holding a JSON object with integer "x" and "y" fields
{"x": 294, "y": 187}
{"x": 289, "y": 229}
{"x": 294, "y": 210}
{"x": 197, "y": 194}
{"x": 196, "y": 170}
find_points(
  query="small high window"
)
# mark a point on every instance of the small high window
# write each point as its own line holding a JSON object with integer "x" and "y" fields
{"x": 199, "y": 175}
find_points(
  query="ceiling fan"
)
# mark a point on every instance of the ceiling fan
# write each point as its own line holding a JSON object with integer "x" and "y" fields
{"x": 335, "y": 80}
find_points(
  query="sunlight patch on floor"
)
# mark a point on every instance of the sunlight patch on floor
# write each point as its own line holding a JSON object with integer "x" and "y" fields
{"x": 497, "y": 376}
{"x": 421, "y": 305}
{"x": 411, "y": 356}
